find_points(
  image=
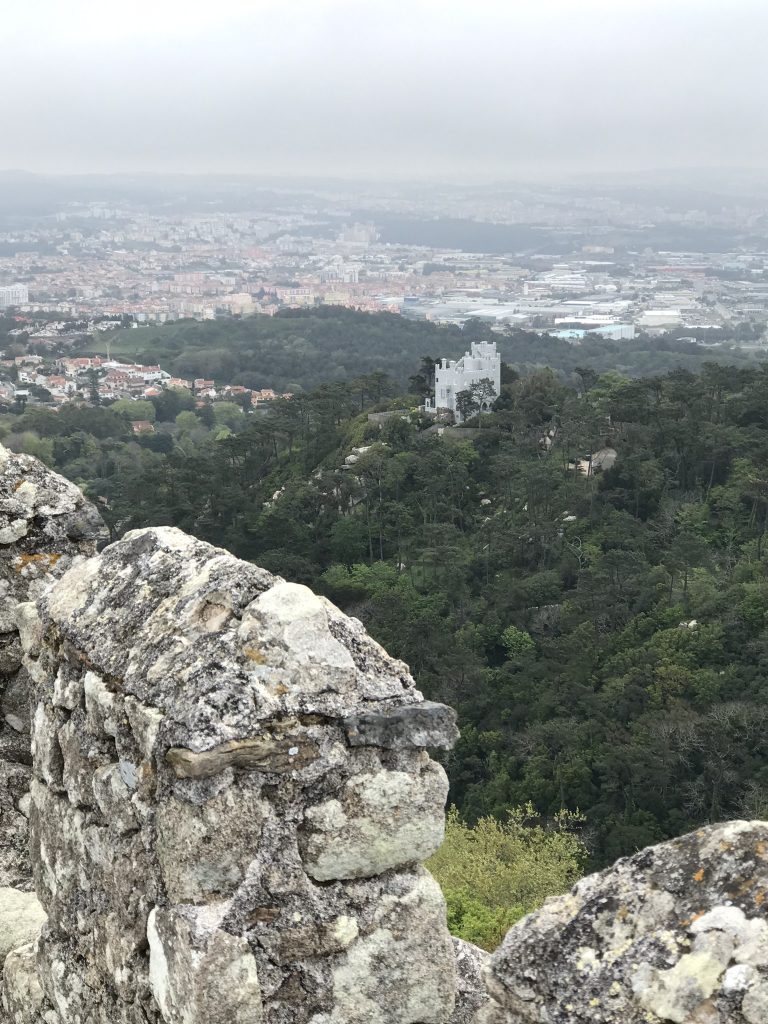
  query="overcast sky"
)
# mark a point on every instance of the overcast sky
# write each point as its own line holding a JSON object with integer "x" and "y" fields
{"x": 403, "y": 87}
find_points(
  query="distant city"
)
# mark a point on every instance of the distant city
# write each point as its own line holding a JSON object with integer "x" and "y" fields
{"x": 565, "y": 261}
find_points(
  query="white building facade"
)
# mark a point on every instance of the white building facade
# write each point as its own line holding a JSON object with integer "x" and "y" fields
{"x": 13, "y": 295}
{"x": 453, "y": 376}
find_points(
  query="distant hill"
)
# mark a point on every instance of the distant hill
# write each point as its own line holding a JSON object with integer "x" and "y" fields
{"x": 299, "y": 349}
{"x": 293, "y": 350}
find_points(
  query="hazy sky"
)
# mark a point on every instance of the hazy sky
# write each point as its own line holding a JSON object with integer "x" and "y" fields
{"x": 402, "y": 87}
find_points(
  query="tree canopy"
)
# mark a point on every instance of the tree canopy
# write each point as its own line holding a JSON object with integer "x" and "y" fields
{"x": 601, "y": 631}
{"x": 300, "y": 349}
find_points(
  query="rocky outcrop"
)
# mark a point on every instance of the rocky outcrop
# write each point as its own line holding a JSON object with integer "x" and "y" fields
{"x": 678, "y": 932}
{"x": 231, "y": 802}
{"x": 45, "y": 524}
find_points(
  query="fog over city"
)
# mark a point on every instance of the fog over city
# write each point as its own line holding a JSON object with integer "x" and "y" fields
{"x": 429, "y": 88}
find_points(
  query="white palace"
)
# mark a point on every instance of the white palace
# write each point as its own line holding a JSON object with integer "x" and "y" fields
{"x": 453, "y": 376}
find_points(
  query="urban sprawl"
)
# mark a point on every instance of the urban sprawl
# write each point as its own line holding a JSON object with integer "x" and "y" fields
{"x": 94, "y": 267}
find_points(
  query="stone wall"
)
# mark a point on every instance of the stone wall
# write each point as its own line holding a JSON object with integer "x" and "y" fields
{"x": 45, "y": 524}
{"x": 230, "y": 804}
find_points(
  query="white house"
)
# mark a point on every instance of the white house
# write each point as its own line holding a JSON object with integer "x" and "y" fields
{"x": 453, "y": 376}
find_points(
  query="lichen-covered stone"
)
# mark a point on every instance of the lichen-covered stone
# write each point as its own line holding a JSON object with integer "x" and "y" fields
{"x": 204, "y": 850}
{"x": 230, "y": 795}
{"x": 471, "y": 992}
{"x": 377, "y": 822}
{"x": 45, "y": 525}
{"x": 678, "y": 933}
{"x": 402, "y": 969}
{"x": 199, "y": 973}
{"x": 22, "y": 996}
{"x": 205, "y": 837}
{"x": 15, "y": 868}
{"x": 418, "y": 725}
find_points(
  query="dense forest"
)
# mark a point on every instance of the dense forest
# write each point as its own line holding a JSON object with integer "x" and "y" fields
{"x": 604, "y": 637}
{"x": 301, "y": 349}
{"x": 293, "y": 351}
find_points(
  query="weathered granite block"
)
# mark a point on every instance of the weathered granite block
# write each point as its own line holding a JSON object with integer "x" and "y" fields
{"x": 15, "y": 866}
{"x": 199, "y": 973}
{"x": 471, "y": 993}
{"x": 378, "y": 821}
{"x": 22, "y": 992}
{"x": 678, "y": 932}
{"x": 417, "y": 725}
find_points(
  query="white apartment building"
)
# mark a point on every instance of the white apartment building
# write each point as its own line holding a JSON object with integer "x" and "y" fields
{"x": 453, "y": 376}
{"x": 13, "y": 295}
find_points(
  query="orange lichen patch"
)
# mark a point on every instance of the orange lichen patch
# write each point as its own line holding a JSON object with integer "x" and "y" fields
{"x": 253, "y": 655}
{"x": 46, "y": 561}
{"x": 760, "y": 897}
{"x": 698, "y": 876}
{"x": 19, "y": 484}
{"x": 697, "y": 915}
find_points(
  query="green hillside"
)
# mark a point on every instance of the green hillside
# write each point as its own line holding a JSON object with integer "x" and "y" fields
{"x": 604, "y": 638}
